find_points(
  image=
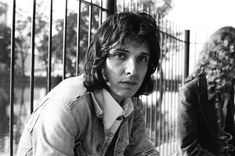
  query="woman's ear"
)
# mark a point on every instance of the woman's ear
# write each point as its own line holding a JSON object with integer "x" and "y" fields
{"x": 104, "y": 75}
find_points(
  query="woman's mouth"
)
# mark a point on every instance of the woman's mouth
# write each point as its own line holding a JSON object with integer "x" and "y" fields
{"x": 128, "y": 83}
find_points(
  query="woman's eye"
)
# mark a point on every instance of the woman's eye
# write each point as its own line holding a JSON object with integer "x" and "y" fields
{"x": 143, "y": 59}
{"x": 119, "y": 55}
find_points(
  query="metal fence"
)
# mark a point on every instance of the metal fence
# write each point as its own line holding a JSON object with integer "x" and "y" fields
{"x": 160, "y": 107}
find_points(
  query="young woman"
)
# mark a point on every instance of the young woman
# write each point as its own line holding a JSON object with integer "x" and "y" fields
{"x": 99, "y": 112}
{"x": 206, "y": 102}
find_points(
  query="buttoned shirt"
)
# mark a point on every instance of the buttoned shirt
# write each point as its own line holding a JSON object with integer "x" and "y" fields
{"x": 111, "y": 112}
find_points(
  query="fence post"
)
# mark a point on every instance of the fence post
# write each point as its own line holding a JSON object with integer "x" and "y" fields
{"x": 110, "y": 6}
{"x": 12, "y": 82}
{"x": 186, "y": 53}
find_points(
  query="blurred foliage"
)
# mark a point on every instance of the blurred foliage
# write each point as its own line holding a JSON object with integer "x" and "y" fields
{"x": 5, "y": 43}
{"x": 158, "y": 7}
{"x": 23, "y": 35}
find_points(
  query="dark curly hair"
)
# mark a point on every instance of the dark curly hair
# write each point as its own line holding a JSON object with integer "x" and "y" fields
{"x": 139, "y": 26}
{"x": 217, "y": 60}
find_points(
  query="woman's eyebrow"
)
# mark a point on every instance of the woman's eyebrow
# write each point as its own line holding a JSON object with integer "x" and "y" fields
{"x": 145, "y": 53}
{"x": 121, "y": 49}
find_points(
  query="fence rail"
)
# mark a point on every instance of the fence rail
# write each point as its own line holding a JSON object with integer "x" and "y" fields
{"x": 73, "y": 33}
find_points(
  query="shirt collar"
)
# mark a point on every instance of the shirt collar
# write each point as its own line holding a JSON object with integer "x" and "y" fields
{"x": 107, "y": 108}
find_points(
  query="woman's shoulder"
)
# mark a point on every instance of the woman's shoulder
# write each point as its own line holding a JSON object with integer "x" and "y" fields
{"x": 191, "y": 87}
{"x": 69, "y": 89}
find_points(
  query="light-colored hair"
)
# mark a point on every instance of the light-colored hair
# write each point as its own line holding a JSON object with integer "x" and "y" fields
{"x": 217, "y": 59}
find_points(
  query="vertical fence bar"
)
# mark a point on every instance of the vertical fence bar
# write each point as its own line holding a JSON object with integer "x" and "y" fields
{"x": 178, "y": 72}
{"x": 152, "y": 117}
{"x": 181, "y": 65}
{"x": 171, "y": 88}
{"x": 186, "y": 50}
{"x": 168, "y": 96}
{"x": 174, "y": 86}
{"x": 173, "y": 91}
{"x": 195, "y": 50}
{"x": 156, "y": 100}
{"x": 159, "y": 90}
{"x": 137, "y": 6}
{"x": 146, "y": 111}
{"x": 131, "y": 5}
{"x": 165, "y": 85}
{"x": 151, "y": 103}
{"x": 101, "y": 13}
{"x": 177, "y": 76}
{"x": 49, "y": 48}
{"x": 90, "y": 24}
{"x": 110, "y": 5}
{"x": 32, "y": 57}
{"x": 182, "y": 47}
{"x": 123, "y": 6}
{"x": 78, "y": 37}
{"x": 12, "y": 84}
{"x": 162, "y": 88}
{"x": 64, "y": 39}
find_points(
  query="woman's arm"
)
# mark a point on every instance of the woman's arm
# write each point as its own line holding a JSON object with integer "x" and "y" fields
{"x": 187, "y": 128}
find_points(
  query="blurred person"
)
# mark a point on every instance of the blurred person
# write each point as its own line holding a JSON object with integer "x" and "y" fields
{"x": 99, "y": 112}
{"x": 206, "y": 101}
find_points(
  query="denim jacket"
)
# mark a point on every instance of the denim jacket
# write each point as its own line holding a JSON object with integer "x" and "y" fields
{"x": 66, "y": 124}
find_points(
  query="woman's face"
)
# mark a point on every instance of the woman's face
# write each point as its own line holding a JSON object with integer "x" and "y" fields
{"x": 125, "y": 68}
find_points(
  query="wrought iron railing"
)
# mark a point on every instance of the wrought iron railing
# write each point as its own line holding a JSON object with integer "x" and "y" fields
{"x": 160, "y": 107}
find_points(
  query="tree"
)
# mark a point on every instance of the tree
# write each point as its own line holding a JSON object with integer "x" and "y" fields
{"x": 71, "y": 39}
{"x": 5, "y": 42}
{"x": 22, "y": 43}
{"x": 161, "y": 7}
{"x": 23, "y": 35}
{"x": 155, "y": 7}
{"x": 3, "y": 8}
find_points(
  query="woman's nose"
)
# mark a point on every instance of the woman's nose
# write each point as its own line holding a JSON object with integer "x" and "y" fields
{"x": 131, "y": 67}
